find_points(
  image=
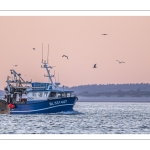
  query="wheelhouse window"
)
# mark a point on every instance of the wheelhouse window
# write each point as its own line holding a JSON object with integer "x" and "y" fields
{"x": 59, "y": 94}
{"x": 37, "y": 94}
{"x": 34, "y": 94}
{"x": 68, "y": 94}
{"x": 52, "y": 94}
{"x": 72, "y": 94}
{"x": 63, "y": 95}
{"x": 40, "y": 94}
{"x": 45, "y": 94}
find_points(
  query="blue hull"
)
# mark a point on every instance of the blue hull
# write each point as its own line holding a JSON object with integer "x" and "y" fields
{"x": 45, "y": 106}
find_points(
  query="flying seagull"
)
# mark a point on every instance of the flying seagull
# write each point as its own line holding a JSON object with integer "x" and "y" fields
{"x": 65, "y": 56}
{"x": 33, "y": 48}
{"x": 94, "y": 66}
{"x": 120, "y": 61}
{"x": 104, "y": 34}
{"x": 15, "y": 65}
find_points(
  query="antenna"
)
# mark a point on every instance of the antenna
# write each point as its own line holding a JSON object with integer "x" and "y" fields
{"x": 48, "y": 54}
{"x": 42, "y": 52}
{"x": 54, "y": 76}
{"x": 58, "y": 77}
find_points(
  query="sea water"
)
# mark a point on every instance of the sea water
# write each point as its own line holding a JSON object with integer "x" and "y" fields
{"x": 87, "y": 118}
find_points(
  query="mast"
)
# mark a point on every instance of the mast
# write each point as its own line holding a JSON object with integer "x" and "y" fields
{"x": 45, "y": 65}
{"x": 42, "y": 52}
{"x": 17, "y": 83}
{"x": 48, "y": 54}
{"x": 48, "y": 71}
{"x": 58, "y": 77}
{"x": 54, "y": 75}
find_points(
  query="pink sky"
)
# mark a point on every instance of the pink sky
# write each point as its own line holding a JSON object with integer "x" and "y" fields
{"x": 80, "y": 39}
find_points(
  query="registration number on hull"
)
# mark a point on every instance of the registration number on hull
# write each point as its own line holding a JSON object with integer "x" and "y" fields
{"x": 57, "y": 102}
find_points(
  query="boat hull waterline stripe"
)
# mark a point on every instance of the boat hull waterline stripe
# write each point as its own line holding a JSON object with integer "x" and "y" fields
{"x": 41, "y": 109}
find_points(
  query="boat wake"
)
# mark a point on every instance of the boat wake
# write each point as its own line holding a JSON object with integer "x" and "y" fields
{"x": 73, "y": 112}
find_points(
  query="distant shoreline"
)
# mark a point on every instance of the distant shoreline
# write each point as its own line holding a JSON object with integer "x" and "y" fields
{"x": 113, "y": 99}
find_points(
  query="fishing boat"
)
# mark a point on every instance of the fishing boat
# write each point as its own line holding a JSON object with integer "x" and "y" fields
{"x": 24, "y": 97}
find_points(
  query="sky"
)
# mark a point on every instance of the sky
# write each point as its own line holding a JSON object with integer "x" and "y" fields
{"x": 81, "y": 39}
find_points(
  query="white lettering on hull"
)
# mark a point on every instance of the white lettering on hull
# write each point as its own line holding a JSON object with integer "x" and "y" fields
{"x": 57, "y": 102}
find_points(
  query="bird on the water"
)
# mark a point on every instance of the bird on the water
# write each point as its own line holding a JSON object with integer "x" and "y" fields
{"x": 65, "y": 56}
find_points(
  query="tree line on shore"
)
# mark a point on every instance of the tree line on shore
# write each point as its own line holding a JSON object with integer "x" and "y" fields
{"x": 120, "y": 90}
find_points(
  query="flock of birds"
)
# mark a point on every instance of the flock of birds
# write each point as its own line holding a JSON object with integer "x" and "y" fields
{"x": 120, "y": 62}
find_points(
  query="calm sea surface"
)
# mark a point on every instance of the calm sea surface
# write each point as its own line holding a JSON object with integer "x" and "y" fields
{"x": 87, "y": 118}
